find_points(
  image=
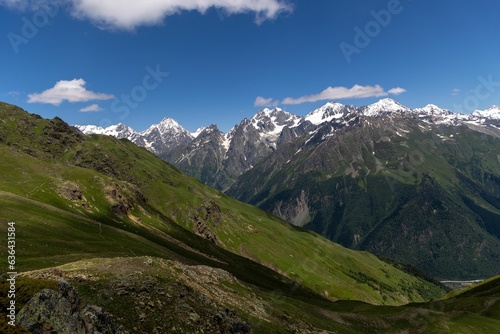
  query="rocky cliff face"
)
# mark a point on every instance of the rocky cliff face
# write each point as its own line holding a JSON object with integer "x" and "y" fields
{"x": 202, "y": 157}
{"x": 218, "y": 159}
{"x": 61, "y": 311}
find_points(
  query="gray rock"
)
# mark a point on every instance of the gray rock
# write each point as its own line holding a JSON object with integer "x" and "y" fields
{"x": 59, "y": 312}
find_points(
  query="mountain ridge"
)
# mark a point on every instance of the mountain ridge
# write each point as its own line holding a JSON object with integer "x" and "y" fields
{"x": 242, "y": 147}
{"x": 373, "y": 110}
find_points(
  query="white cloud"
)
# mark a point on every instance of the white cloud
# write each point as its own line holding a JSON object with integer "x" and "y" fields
{"x": 92, "y": 108}
{"x": 456, "y": 92}
{"x": 338, "y": 93}
{"x": 129, "y": 14}
{"x": 396, "y": 91}
{"x": 263, "y": 102}
{"x": 67, "y": 90}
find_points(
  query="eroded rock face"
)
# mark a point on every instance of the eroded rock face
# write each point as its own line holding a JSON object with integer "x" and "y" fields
{"x": 58, "y": 312}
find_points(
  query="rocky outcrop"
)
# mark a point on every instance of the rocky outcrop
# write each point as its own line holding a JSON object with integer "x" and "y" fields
{"x": 71, "y": 191}
{"x": 122, "y": 197}
{"x": 58, "y": 312}
{"x": 208, "y": 215}
{"x": 229, "y": 322}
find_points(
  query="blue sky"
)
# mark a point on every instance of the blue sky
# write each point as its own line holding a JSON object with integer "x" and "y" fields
{"x": 217, "y": 61}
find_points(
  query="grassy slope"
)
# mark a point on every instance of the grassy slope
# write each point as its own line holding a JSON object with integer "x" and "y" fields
{"x": 172, "y": 201}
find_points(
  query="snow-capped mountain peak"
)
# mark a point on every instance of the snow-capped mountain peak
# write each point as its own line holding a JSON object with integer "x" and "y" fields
{"x": 90, "y": 129}
{"x": 119, "y": 130}
{"x": 268, "y": 112}
{"x": 162, "y": 137}
{"x": 169, "y": 122}
{"x": 335, "y": 106}
{"x": 326, "y": 113}
{"x": 432, "y": 110}
{"x": 492, "y": 113}
{"x": 384, "y": 106}
{"x": 276, "y": 115}
{"x": 272, "y": 121}
{"x": 167, "y": 125}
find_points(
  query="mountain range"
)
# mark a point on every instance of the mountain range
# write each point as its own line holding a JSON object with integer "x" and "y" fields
{"x": 218, "y": 158}
{"x": 360, "y": 176}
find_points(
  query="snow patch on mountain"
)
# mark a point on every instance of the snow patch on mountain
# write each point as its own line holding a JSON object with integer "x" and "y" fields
{"x": 197, "y": 132}
{"x": 226, "y": 142}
